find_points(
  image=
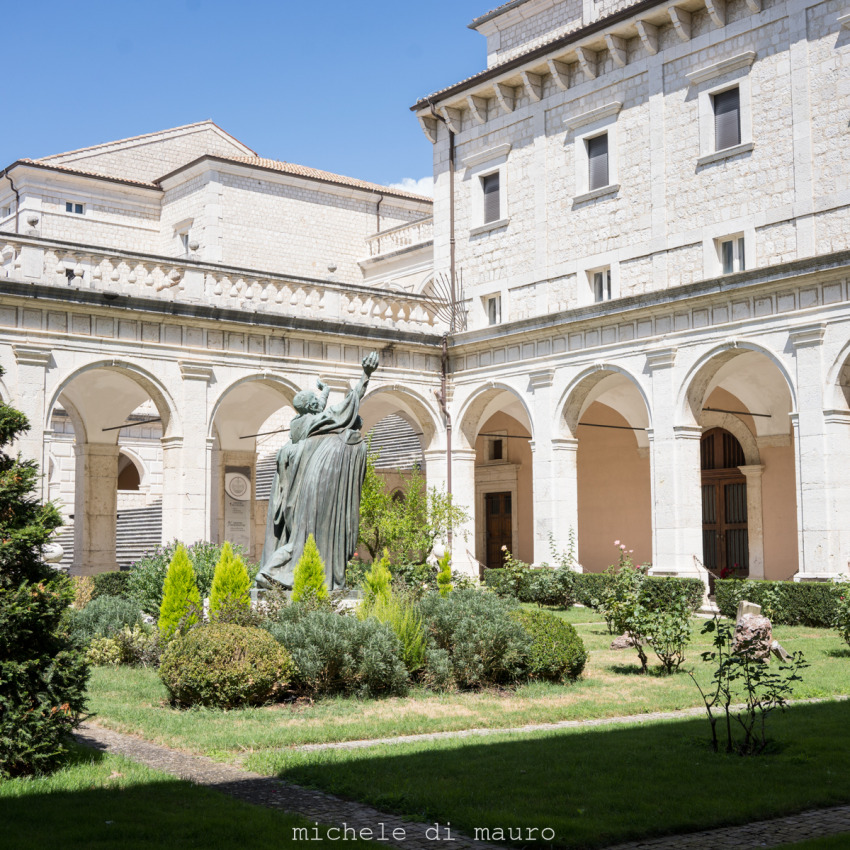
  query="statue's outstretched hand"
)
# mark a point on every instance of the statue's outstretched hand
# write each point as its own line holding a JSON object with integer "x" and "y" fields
{"x": 321, "y": 384}
{"x": 370, "y": 362}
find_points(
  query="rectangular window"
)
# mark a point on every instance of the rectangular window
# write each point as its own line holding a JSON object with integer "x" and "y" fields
{"x": 496, "y": 450}
{"x": 494, "y": 309}
{"x": 732, "y": 255}
{"x": 597, "y": 162}
{"x": 71, "y": 207}
{"x": 602, "y": 285}
{"x": 184, "y": 243}
{"x": 69, "y": 275}
{"x": 727, "y": 119}
{"x": 492, "y": 203}
{"x": 5, "y": 211}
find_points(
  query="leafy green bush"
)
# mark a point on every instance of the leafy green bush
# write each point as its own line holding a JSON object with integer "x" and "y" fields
{"x": 588, "y": 588}
{"x": 113, "y": 583}
{"x": 230, "y": 591}
{"x": 841, "y": 619}
{"x": 542, "y": 585}
{"x": 181, "y": 602}
{"x": 42, "y": 674}
{"x": 378, "y": 580}
{"x": 484, "y": 644}
{"x": 223, "y": 666}
{"x": 785, "y": 603}
{"x": 401, "y": 614}
{"x": 147, "y": 576}
{"x": 335, "y": 653}
{"x": 140, "y": 646}
{"x": 103, "y": 652}
{"x": 102, "y": 618}
{"x": 444, "y": 574}
{"x": 557, "y": 652}
{"x": 309, "y": 581}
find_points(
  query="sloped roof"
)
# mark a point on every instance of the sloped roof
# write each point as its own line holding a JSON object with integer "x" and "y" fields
{"x": 52, "y": 166}
{"x": 305, "y": 171}
{"x": 494, "y": 12}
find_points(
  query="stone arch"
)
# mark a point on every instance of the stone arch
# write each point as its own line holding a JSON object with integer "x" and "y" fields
{"x": 134, "y": 458}
{"x": 737, "y": 428}
{"x": 837, "y": 390}
{"x": 594, "y": 383}
{"x": 408, "y": 404}
{"x": 697, "y": 383}
{"x": 150, "y": 384}
{"x": 484, "y": 402}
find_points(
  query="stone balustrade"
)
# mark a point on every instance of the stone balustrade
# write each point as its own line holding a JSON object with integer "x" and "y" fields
{"x": 31, "y": 259}
{"x": 403, "y": 236}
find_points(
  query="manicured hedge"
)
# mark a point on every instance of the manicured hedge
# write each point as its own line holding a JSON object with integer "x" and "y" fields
{"x": 588, "y": 587}
{"x": 111, "y": 584}
{"x": 786, "y": 603}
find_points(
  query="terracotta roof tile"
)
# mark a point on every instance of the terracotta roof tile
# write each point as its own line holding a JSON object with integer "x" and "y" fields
{"x": 52, "y": 166}
{"x": 325, "y": 176}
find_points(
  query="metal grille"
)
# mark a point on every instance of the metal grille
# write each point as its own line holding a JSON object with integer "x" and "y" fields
{"x": 727, "y": 119}
{"x": 709, "y": 504}
{"x": 736, "y": 503}
{"x": 737, "y": 550}
{"x": 733, "y": 454}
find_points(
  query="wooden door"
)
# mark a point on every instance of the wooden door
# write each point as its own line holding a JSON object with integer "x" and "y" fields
{"x": 497, "y": 509}
{"x": 724, "y": 505}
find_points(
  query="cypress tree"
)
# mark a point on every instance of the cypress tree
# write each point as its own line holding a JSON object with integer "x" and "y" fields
{"x": 181, "y": 601}
{"x": 444, "y": 574}
{"x": 231, "y": 585}
{"x": 309, "y": 580}
{"x": 42, "y": 675}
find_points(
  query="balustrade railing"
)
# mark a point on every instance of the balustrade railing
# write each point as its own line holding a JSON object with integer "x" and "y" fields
{"x": 34, "y": 260}
{"x": 403, "y": 236}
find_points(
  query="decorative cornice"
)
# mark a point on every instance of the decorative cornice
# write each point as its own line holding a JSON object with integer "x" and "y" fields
{"x": 32, "y": 355}
{"x": 497, "y": 152}
{"x": 541, "y": 378}
{"x": 687, "y": 432}
{"x": 191, "y": 370}
{"x": 733, "y": 63}
{"x": 808, "y": 336}
{"x": 836, "y": 417}
{"x": 585, "y": 118}
{"x": 662, "y": 358}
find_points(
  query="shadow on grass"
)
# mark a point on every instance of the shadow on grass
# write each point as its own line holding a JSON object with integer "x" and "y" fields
{"x": 594, "y": 787}
{"x": 99, "y": 800}
{"x": 838, "y": 653}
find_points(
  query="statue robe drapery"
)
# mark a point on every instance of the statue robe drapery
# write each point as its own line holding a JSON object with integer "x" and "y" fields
{"x": 316, "y": 490}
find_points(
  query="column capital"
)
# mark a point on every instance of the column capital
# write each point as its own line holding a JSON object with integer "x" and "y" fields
{"x": 808, "y": 336}
{"x": 564, "y": 444}
{"x": 32, "y": 355}
{"x": 687, "y": 432}
{"x": 660, "y": 358}
{"x": 836, "y": 417}
{"x": 753, "y": 470}
{"x": 463, "y": 455}
{"x": 193, "y": 370}
{"x": 541, "y": 379}
{"x": 175, "y": 442}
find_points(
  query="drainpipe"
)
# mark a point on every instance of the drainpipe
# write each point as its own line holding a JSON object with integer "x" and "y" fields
{"x": 444, "y": 359}
{"x": 378, "y": 220}
{"x": 17, "y": 197}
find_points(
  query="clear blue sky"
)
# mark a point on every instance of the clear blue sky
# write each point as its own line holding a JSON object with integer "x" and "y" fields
{"x": 325, "y": 83}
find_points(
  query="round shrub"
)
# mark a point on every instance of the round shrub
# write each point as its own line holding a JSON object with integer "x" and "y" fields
{"x": 335, "y": 653}
{"x": 557, "y": 652}
{"x": 484, "y": 644}
{"x": 103, "y": 652}
{"x": 113, "y": 583}
{"x": 224, "y": 665}
{"x": 102, "y": 617}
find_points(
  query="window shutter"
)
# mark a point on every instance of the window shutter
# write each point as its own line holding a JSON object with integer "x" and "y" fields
{"x": 597, "y": 157}
{"x": 492, "y": 206}
{"x": 727, "y": 119}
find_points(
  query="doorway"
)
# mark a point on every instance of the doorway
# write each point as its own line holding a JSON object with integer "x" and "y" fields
{"x": 499, "y": 527}
{"x": 725, "y": 543}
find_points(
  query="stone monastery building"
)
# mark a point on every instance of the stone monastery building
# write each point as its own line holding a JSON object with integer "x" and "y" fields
{"x": 625, "y": 314}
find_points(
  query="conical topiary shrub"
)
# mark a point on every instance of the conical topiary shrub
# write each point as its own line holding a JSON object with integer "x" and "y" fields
{"x": 309, "y": 581}
{"x": 377, "y": 583}
{"x": 231, "y": 586}
{"x": 181, "y": 601}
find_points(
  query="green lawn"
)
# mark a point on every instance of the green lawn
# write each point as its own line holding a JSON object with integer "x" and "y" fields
{"x": 134, "y": 700}
{"x": 593, "y": 787}
{"x": 109, "y": 802}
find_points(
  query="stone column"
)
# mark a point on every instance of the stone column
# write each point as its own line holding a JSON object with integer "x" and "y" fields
{"x": 544, "y": 482}
{"x": 837, "y": 423}
{"x": 185, "y": 460}
{"x": 755, "y": 522}
{"x": 463, "y": 490}
{"x": 813, "y": 525}
{"x": 32, "y": 361}
{"x": 95, "y": 508}
{"x": 676, "y": 477}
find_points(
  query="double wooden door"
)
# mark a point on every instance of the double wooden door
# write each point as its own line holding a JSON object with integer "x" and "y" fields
{"x": 724, "y": 505}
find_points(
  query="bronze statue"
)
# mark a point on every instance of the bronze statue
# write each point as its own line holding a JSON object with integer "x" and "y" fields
{"x": 316, "y": 488}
